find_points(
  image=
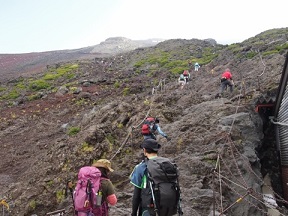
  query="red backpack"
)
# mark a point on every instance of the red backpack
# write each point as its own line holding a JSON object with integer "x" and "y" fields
{"x": 185, "y": 73}
{"x": 148, "y": 126}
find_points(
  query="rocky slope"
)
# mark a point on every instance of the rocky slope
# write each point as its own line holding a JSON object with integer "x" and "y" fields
{"x": 79, "y": 111}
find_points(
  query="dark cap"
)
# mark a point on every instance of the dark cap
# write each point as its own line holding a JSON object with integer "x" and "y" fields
{"x": 150, "y": 144}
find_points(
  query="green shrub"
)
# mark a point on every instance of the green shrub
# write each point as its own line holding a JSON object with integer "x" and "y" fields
{"x": 110, "y": 139}
{"x": 32, "y": 204}
{"x": 2, "y": 89}
{"x": 33, "y": 97}
{"x": 73, "y": 131}
{"x": 70, "y": 76}
{"x": 250, "y": 55}
{"x": 51, "y": 76}
{"x": 126, "y": 91}
{"x": 81, "y": 102}
{"x": 139, "y": 63}
{"x": 120, "y": 126}
{"x": 116, "y": 84}
{"x": 38, "y": 85}
{"x": 20, "y": 85}
{"x": 13, "y": 94}
{"x": 50, "y": 183}
{"x": 270, "y": 52}
{"x": 86, "y": 148}
{"x": 60, "y": 195}
{"x": 64, "y": 70}
{"x": 282, "y": 47}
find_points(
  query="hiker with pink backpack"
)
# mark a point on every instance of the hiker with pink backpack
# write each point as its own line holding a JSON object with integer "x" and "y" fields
{"x": 94, "y": 190}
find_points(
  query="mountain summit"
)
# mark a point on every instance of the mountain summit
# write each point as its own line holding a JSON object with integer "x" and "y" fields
{"x": 115, "y": 45}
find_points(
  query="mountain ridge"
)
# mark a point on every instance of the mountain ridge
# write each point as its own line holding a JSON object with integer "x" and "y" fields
{"x": 12, "y": 65}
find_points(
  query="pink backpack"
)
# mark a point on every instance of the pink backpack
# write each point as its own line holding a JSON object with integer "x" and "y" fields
{"x": 86, "y": 192}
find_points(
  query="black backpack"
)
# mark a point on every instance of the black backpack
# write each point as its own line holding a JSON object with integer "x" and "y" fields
{"x": 163, "y": 190}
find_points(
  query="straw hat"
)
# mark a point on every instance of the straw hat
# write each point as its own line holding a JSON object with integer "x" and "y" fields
{"x": 103, "y": 163}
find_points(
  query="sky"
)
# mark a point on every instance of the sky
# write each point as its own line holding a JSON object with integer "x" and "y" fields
{"x": 46, "y": 25}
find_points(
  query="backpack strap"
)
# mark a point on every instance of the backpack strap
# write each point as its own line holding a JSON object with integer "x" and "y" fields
{"x": 89, "y": 194}
{"x": 152, "y": 187}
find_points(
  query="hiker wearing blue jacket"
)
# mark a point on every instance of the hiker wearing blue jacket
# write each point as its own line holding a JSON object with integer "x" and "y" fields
{"x": 196, "y": 66}
{"x": 138, "y": 178}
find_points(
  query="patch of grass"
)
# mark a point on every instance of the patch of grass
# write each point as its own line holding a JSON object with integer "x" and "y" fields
{"x": 39, "y": 84}
{"x": 110, "y": 138}
{"x": 72, "y": 89}
{"x": 117, "y": 84}
{"x": 251, "y": 54}
{"x": 32, "y": 204}
{"x": 270, "y": 52}
{"x": 139, "y": 63}
{"x": 20, "y": 85}
{"x": 120, "y": 126}
{"x": 81, "y": 102}
{"x": 51, "y": 76}
{"x": 13, "y": 94}
{"x": 177, "y": 70}
{"x": 147, "y": 102}
{"x": 50, "y": 183}
{"x": 68, "y": 85}
{"x": 60, "y": 195}
{"x": 126, "y": 91}
{"x": 282, "y": 47}
{"x": 87, "y": 148}
{"x": 2, "y": 89}
{"x": 60, "y": 72}
{"x": 233, "y": 46}
{"x": 111, "y": 141}
{"x": 179, "y": 143}
{"x": 73, "y": 131}
{"x": 33, "y": 97}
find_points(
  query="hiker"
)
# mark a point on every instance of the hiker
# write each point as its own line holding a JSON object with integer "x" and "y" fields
{"x": 226, "y": 80}
{"x": 145, "y": 180}
{"x": 186, "y": 75}
{"x": 107, "y": 188}
{"x": 196, "y": 66}
{"x": 181, "y": 81}
{"x": 94, "y": 190}
{"x": 150, "y": 126}
{"x": 190, "y": 65}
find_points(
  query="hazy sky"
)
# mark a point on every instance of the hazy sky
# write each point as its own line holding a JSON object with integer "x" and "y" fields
{"x": 44, "y": 25}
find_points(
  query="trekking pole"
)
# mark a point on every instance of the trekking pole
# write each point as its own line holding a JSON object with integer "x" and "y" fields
{"x": 152, "y": 193}
{"x": 180, "y": 212}
{"x": 153, "y": 198}
{"x": 69, "y": 186}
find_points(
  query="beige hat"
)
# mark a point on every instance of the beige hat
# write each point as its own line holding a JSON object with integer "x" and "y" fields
{"x": 103, "y": 163}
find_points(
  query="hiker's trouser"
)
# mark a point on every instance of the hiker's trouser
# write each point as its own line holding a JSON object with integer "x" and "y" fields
{"x": 150, "y": 136}
{"x": 186, "y": 79}
{"x": 224, "y": 84}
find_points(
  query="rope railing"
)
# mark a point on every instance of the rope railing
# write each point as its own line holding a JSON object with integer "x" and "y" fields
{"x": 130, "y": 132}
